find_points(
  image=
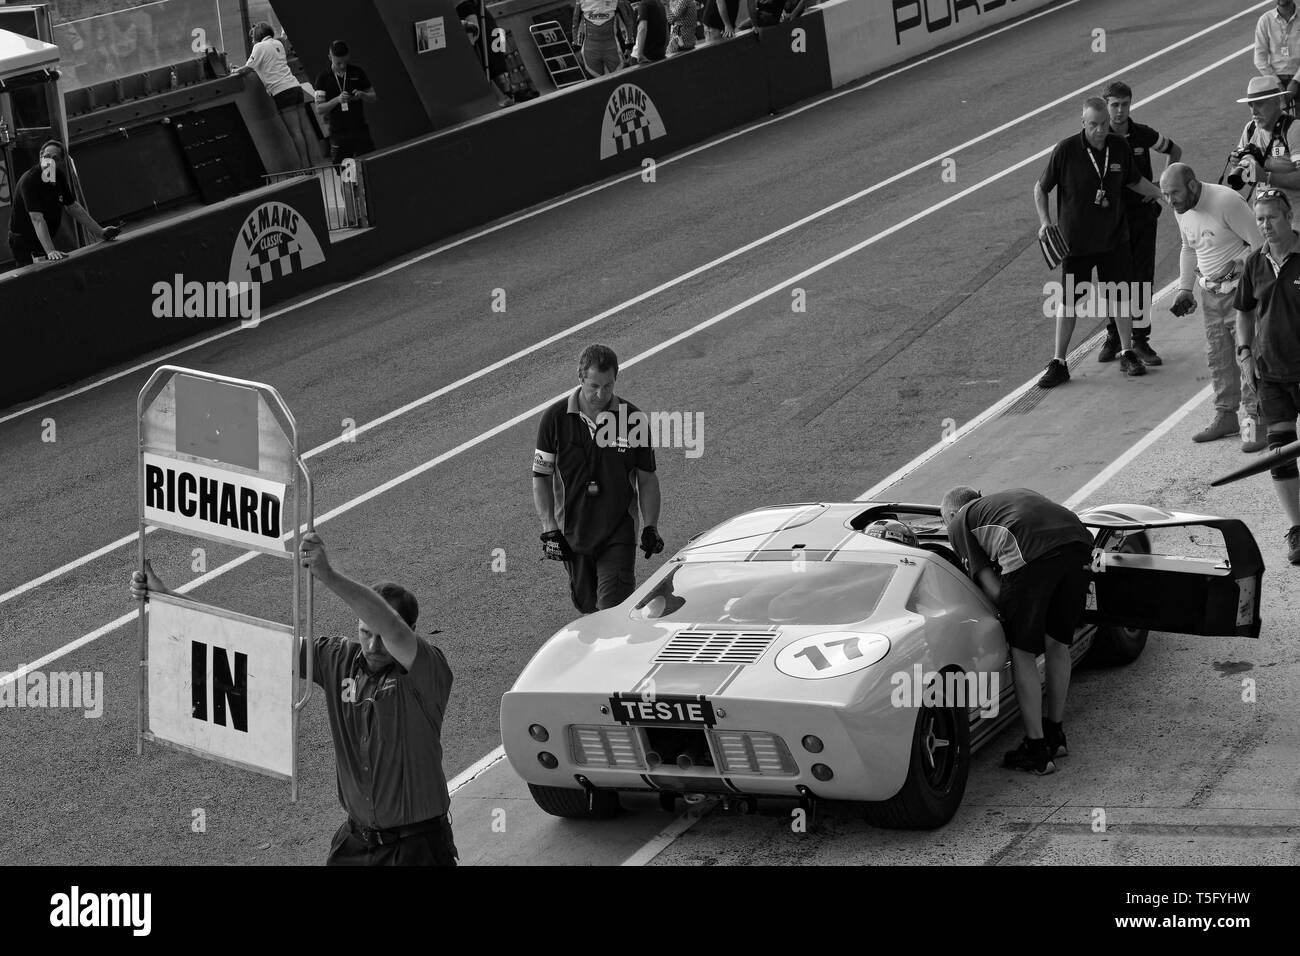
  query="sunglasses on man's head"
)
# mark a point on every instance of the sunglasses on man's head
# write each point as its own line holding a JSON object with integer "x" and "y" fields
{"x": 1273, "y": 193}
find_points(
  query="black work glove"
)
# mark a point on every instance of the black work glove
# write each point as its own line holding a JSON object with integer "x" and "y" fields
{"x": 651, "y": 543}
{"x": 555, "y": 547}
{"x": 111, "y": 232}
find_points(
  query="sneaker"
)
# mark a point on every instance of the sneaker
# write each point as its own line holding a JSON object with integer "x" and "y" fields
{"x": 1054, "y": 739}
{"x": 1130, "y": 364}
{"x": 1293, "y": 545}
{"x": 1224, "y": 424}
{"x": 1146, "y": 353}
{"x": 1032, "y": 756}
{"x": 1109, "y": 349}
{"x": 1056, "y": 373}
{"x": 1253, "y": 437}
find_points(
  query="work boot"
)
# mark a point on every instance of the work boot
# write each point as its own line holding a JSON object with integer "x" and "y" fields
{"x": 1224, "y": 424}
{"x": 1109, "y": 348}
{"x": 1056, "y": 373}
{"x": 1253, "y": 437}
{"x": 1130, "y": 364}
{"x": 1293, "y": 544}
{"x": 1145, "y": 352}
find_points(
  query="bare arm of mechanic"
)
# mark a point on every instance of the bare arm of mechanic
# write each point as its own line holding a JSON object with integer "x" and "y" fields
{"x": 370, "y": 606}
{"x": 647, "y": 483}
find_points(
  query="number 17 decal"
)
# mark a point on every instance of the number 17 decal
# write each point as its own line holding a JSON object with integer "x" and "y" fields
{"x": 831, "y": 655}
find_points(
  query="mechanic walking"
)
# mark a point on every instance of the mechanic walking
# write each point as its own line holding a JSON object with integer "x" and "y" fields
{"x": 1268, "y": 337}
{"x": 1218, "y": 231}
{"x": 1031, "y": 557}
{"x": 587, "y": 493}
{"x": 1143, "y": 214}
{"x": 1089, "y": 172}
{"x": 386, "y": 696}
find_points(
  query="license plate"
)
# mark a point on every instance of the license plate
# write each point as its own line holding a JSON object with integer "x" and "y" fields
{"x": 635, "y": 709}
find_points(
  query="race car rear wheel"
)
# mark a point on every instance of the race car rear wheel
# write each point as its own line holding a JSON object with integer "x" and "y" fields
{"x": 576, "y": 804}
{"x": 936, "y": 774}
{"x": 1115, "y": 646}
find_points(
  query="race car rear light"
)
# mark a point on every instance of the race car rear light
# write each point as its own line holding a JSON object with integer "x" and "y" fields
{"x": 744, "y": 751}
{"x": 605, "y": 747}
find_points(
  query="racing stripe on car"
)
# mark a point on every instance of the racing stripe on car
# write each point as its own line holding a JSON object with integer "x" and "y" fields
{"x": 753, "y": 555}
{"x": 730, "y": 677}
{"x": 840, "y": 545}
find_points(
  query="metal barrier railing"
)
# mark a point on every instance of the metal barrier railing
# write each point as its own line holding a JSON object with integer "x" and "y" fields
{"x": 343, "y": 188}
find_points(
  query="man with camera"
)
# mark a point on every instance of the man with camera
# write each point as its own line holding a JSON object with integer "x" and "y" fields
{"x": 1218, "y": 232}
{"x": 1268, "y": 336}
{"x": 1269, "y": 146}
{"x": 587, "y": 490}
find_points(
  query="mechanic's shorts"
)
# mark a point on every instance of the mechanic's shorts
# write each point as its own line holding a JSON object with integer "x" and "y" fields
{"x": 1045, "y": 597}
{"x": 1279, "y": 402}
{"x": 604, "y": 579}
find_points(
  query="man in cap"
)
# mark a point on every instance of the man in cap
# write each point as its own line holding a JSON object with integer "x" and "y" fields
{"x": 1269, "y": 145}
{"x": 1218, "y": 231}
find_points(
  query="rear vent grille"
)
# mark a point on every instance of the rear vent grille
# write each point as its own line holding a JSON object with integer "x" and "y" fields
{"x": 700, "y": 646}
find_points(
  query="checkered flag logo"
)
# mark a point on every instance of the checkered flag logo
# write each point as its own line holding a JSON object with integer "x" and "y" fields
{"x": 276, "y": 241}
{"x": 630, "y": 120}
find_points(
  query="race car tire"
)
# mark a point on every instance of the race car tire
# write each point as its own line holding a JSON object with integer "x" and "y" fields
{"x": 574, "y": 803}
{"x": 1114, "y": 646}
{"x": 933, "y": 789}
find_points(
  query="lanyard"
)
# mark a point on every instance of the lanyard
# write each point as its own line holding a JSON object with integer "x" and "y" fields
{"x": 343, "y": 83}
{"x": 1105, "y": 164}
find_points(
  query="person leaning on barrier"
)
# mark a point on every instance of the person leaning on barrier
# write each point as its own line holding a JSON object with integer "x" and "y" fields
{"x": 683, "y": 17}
{"x": 386, "y": 696}
{"x": 271, "y": 64}
{"x": 1143, "y": 214}
{"x": 1218, "y": 231}
{"x": 1089, "y": 172}
{"x": 768, "y": 13}
{"x": 39, "y": 199}
{"x": 496, "y": 66}
{"x": 1268, "y": 337}
{"x": 342, "y": 93}
{"x": 1030, "y": 557}
{"x": 587, "y": 491}
{"x": 721, "y": 19}
{"x": 651, "y": 32}
{"x": 1277, "y": 45}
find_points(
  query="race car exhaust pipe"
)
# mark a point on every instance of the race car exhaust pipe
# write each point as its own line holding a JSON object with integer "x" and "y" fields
{"x": 685, "y": 762}
{"x": 652, "y": 759}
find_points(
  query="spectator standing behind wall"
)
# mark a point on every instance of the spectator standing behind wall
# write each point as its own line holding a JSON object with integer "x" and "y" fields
{"x": 342, "y": 93}
{"x": 651, "y": 32}
{"x": 596, "y": 26}
{"x": 683, "y": 19}
{"x": 468, "y": 11}
{"x": 720, "y": 19}
{"x": 269, "y": 61}
{"x": 768, "y": 13}
{"x": 1277, "y": 45}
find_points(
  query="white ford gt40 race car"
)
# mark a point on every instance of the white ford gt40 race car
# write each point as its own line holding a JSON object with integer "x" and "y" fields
{"x": 786, "y": 653}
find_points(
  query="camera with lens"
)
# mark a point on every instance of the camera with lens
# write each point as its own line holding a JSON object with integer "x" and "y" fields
{"x": 1243, "y": 173}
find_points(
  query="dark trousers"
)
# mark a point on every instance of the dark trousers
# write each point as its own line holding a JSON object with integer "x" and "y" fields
{"x": 350, "y": 145}
{"x": 1142, "y": 252}
{"x": 603, "y": 579}
{"x": 432, "y": 847}
{"x": 24, "y": 250}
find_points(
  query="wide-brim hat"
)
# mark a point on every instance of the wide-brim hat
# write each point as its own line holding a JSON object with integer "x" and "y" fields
{"x": 1263, "y": 88}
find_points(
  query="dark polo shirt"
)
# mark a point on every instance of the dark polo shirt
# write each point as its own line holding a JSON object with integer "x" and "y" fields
{"x": 387, "y": 734}
{"x": 1012, "y": 528}
{"x": 570, "y": 456}
{"x": 1272, "y": 290}
{"x": 353, "y": 122}
{"x": 1142, "y": 141}
{"x": 1090, "y": 229}
{"x": 34, "y": 194}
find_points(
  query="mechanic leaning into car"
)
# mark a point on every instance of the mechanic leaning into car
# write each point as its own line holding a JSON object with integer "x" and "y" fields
{"x": 1031, "y": 557}
{"x": 589, "y": 478}
{"x": 386, "y": 696}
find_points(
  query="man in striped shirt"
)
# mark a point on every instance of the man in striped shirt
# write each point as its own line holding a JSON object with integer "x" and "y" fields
{"x": 1218, "y": 231}
{"x": 1030, "y": 556}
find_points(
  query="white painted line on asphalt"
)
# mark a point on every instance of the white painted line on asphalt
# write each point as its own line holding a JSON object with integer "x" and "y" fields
{"x": 668, "y": 160}
{"x": 480, "y": 766}
{"x": 126, "y": 540}
{"x": 556, "y": 204}
{"x": 537, "y": 409}
{"x": 665, "y": 837}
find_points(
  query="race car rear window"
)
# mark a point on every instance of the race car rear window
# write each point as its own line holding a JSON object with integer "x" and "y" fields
{"x": 767, "y": 592}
